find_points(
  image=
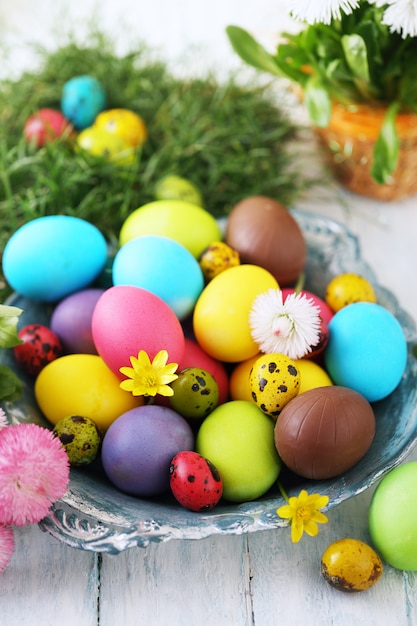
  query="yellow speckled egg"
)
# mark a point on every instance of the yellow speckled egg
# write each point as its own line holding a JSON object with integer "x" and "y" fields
{"x": 217, "y": 258}
{"x": 346, "y": 289}
{"x": 312, "y": 375}
{"x": 221, "y": 313}
{"x": 351, "y": 565}
{"x": 274, "y": 381}
{"x": 81, "y": 384}
{"x": 123, "y": 123}
{"x": 188, "y": 224}
{"x": 100, "y": 143}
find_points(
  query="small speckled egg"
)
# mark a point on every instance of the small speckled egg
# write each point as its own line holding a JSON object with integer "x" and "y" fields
{"x": 124, "y": 123}
{"x": 174, "y": 187}
{"x": 347, "y": 288}
{"x": 196, "y": 393}
{"x": 50, "y": 257}
{"x": 80, "y": 437}
{"x": 83, "y": 97}
{"x": 351, "y": 565}
{"x": 40, "y": 346}
{"x": 217, "y": 258}
{"x": 100, "y": 143}
{"x": 195, "y": 482}
{"x": 274, "y": 380}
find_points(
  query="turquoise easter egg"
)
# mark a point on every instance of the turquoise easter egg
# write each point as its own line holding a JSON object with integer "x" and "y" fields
{"x": 50, "y": 257}
{"x": 162, "y": 266}
{"x": 367, "y": 350}
{"x": 83, "y": 98}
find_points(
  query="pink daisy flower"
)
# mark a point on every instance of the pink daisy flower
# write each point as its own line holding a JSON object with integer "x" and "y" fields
{"x": 34, "y": 473}
{"x": 6, "y": 546}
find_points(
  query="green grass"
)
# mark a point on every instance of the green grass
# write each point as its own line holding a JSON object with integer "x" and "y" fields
{"x": 230, "y": 140}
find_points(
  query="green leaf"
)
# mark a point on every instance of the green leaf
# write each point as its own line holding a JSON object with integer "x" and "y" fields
{"x": 10, "y": 385}
{"x": 250, "y": 51}
{"x": 385, "y": 157}
{"x": 356, "y": 55}
{"x": 317, "y": 102}
{"x": 8, "y": 326}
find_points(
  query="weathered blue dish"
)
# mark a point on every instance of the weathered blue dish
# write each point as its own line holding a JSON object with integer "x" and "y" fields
{"x": 93, "y": 515}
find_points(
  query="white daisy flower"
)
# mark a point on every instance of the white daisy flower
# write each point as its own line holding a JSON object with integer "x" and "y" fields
{"x": 291, "y": 327}
{"x": 320, "y": 10}
{"x": 401, "y": 17}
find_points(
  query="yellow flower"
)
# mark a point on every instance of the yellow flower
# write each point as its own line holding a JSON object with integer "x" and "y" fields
{"x": 304, "y": 513}
{"x": 148, "y": 379}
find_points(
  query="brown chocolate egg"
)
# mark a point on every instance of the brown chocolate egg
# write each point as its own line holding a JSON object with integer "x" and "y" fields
{"x": 265, "y": 233}
{"x": 325, "y": 431}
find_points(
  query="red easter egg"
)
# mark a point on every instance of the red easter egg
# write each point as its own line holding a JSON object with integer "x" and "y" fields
{"x": 40, "y": 346}
{"x": 127, "y": 319}
{"x": 46, "y": 125}
{"x": 195, "y": 482}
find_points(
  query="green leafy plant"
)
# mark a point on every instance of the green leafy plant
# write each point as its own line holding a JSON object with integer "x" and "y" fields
{"x": 354, "y": 58}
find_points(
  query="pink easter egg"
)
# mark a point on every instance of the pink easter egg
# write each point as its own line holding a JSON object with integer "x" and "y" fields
{"x": 127, "y": 319}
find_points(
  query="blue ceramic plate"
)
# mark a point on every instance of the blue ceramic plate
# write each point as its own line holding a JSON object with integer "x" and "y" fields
{"x": 93, "y": 515}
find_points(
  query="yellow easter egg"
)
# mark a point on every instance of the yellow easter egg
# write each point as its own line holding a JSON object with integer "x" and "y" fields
{"x": 100, "y": 143}
{"x": 239, "y": 387}
{"x": 81, "y": 384}
{"x": 312, "y": 375}
{"x": 221, "y": 313}
{"x": 188, "y": 224}
{"x": 348, "y": 288}
{"x": 124, "y": 123}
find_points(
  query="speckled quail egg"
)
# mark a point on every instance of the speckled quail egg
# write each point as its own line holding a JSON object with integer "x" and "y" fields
{"x": 348, "y": 288}
{"x": 80, "y": 437}
{"x": 351, "y": 565}
{"x": 274, "y": 380}
{"x": 196, "y": 393}
{"x": 217, "y": 258}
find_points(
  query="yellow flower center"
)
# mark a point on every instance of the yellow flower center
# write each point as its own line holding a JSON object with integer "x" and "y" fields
{"x": 303, "y": 513}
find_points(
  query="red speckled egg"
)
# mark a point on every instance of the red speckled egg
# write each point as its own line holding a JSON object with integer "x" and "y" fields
{"x": 127, "y": 319}
{"x": 40, "y": 346}
{"x": 265, "y": 233}
{"x": 325, "y": 431}
{"x": 195, "y": 482}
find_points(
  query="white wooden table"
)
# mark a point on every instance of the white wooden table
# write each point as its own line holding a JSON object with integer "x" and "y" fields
{"x": 260, "y": 579}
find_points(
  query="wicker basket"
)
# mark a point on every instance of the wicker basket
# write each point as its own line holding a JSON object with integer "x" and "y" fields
{"x": 349, "y": 141}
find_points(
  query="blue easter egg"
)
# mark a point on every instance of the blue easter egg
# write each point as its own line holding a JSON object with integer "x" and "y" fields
{"x": 164, "y": 267}
{"x": 50, "y": 257}
{"x": 83, "y": 98}
{"x": 367, "y": 350}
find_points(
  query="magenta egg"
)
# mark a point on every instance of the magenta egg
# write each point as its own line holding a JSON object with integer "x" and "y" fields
{"x": 71, "y": 321}
{"x": 139, "y": 446}
{"x": 127, "y": 319}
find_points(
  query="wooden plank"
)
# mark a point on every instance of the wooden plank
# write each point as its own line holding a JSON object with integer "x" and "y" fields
{"x": 48, "y": 583}
{"x": 290, "y": 574}
{"x": 179, "y": 582}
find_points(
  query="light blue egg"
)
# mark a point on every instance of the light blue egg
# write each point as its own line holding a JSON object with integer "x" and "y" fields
{"x": 83, "y": 98}
{"x": 367, "y": 350}
{"x": 50, "y": 257}
{"x": 163, "y": 266}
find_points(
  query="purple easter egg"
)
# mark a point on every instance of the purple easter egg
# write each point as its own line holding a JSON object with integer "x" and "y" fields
{"x": 139, "y": 446}
{"x": 71, "y": 321}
